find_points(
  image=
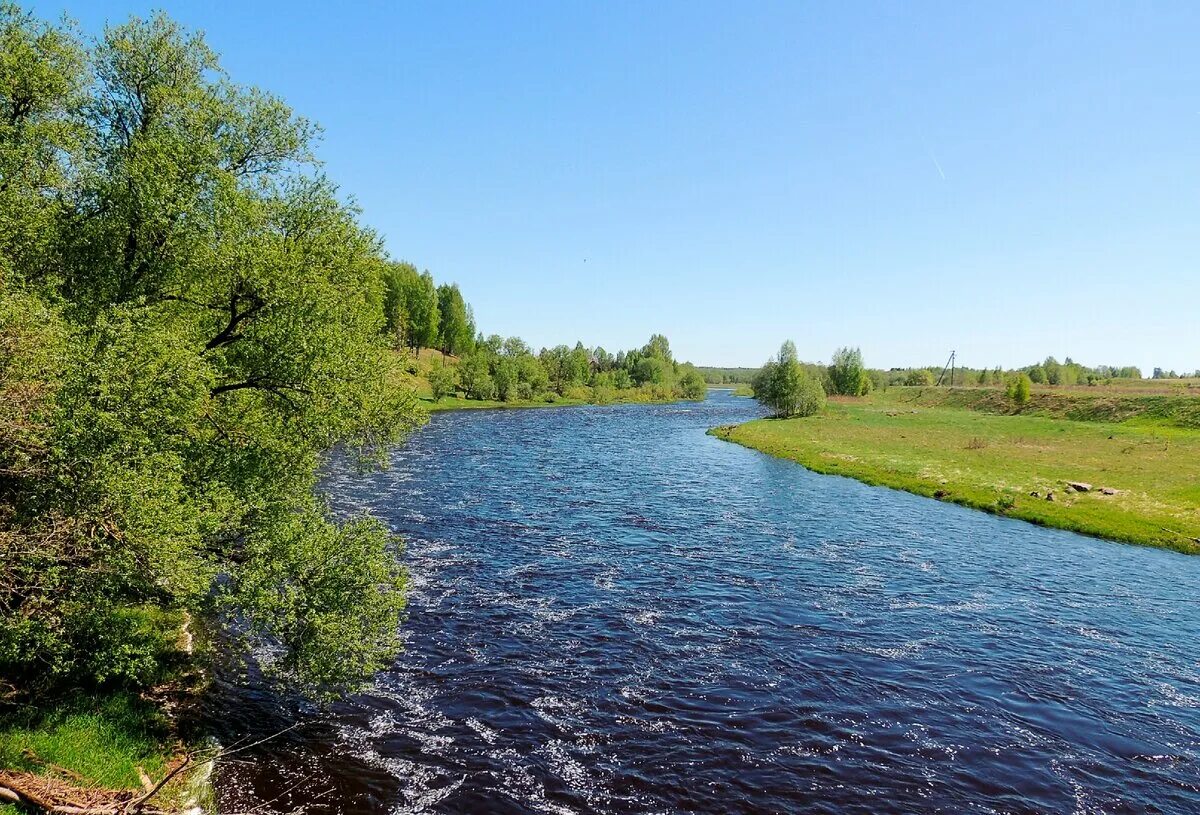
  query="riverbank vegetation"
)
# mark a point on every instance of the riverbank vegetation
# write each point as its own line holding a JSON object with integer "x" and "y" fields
{"x": 1106, "y": 460}
{"x": 784, "y": 385}
{"x": 726, "y": 376}
{"x": 470, "y": 369}
{"x": 190, "y": 315}
{"x": 499, "y": 372}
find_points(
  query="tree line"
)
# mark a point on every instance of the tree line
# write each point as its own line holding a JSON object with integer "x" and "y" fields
{"x": 1048, "y": 372}
{"x": 794, "y": 388}
{"x": 421, "y": 314}
{"x": 507, "y": 370}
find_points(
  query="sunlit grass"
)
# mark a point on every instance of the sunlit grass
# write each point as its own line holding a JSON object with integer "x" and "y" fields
{"x": 104, "y": 739}
{"x": 995, "y": 462}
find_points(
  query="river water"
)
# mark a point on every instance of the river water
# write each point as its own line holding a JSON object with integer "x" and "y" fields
{"x": 612, "y": 612}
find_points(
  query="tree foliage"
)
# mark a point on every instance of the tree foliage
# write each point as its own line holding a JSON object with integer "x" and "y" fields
{"x": 189, "y": 316}
{"x": 1018, "y": 388}
{"x": 919, "y": 377}
{"x": 847, "y": 374}
{"x": 508, "y": 370}
{"x": 410, "y": 306}
{"x": 786, "y": 387}
{"x": 456, "y": 324}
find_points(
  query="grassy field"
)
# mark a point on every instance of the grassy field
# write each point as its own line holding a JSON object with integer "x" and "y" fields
{"x": 931, "y": 445}
{"x": 1098, "y": 404}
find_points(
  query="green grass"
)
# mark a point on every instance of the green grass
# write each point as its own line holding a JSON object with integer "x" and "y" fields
{"x": 992, "y": 461}
{"x": 1099, "y": 404}
{"x": 102, "y": 738}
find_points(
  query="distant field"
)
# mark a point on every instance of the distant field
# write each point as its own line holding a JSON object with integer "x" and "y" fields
{"x": 1161, "y": 386}
{"x": 929, "y": 443}
{"x": 1106, "y": 404}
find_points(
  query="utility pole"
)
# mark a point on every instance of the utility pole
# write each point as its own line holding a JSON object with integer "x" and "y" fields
{"x": 949, "y": 366}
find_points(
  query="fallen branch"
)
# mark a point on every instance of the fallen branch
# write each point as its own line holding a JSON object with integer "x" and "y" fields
{"x": 57, "y": 797}
{"x": 137, "y": 802}
{"x": 1180, "y": 534}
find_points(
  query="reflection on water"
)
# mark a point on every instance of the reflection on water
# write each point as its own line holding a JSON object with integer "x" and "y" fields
{"x": 613, "y": 612}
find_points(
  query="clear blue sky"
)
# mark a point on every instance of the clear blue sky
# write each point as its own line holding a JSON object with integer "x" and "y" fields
{"x": 1009, "y": 180}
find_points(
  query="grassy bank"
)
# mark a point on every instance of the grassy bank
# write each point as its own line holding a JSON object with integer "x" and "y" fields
{"x": 1005, "y": 463}
{"x": 98, "y": 739}
{"x": 111, "y": 738}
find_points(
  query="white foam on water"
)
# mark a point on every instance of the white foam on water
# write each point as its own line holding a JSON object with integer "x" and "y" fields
{"x": 489, "y": 735}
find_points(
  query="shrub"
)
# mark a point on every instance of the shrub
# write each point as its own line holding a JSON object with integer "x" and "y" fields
{"x": 1018, "y": 388}
{"x": 692, "y": 385}
{"x": 443, "y": 380}
{"x": 919, "y": 377}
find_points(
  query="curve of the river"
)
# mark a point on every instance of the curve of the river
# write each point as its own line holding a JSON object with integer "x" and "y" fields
{"x": 612, "y": 612}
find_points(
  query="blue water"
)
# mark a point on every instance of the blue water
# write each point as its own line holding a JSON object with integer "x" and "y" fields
{"x": 612, "y": 612}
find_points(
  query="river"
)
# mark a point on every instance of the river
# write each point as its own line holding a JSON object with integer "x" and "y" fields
{"x": 612, "y": 612}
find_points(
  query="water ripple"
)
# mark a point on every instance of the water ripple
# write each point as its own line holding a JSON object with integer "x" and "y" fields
{"x": 612, "y": 612}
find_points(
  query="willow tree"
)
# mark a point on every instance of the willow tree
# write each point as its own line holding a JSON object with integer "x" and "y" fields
{"x": 847, "y": 374}
{"x": 190, "y": 316}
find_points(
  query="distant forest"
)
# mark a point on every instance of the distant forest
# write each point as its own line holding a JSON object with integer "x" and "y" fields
{"x": 421, "y": 314}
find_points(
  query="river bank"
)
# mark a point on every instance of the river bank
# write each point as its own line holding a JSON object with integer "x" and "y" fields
{"x": 1137, "y": 478}
{"x": 459, "y": 403}
{"x": 112, "y": 746}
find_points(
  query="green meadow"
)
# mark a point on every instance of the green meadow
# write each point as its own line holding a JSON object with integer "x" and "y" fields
{"x": 1144, "y": 470}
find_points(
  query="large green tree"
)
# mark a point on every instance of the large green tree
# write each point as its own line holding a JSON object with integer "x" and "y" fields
{"x": 189, "y": 317}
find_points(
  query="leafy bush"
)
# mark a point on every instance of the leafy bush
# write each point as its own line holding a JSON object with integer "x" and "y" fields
{"x": 919, "y": 377}
{"x": 692, "y": 385}
{"x": 1018, "y": 388}
{"x": 443, "y": 381}
{"x": 783, "y": 385}
{"x": 474, "y": 376}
